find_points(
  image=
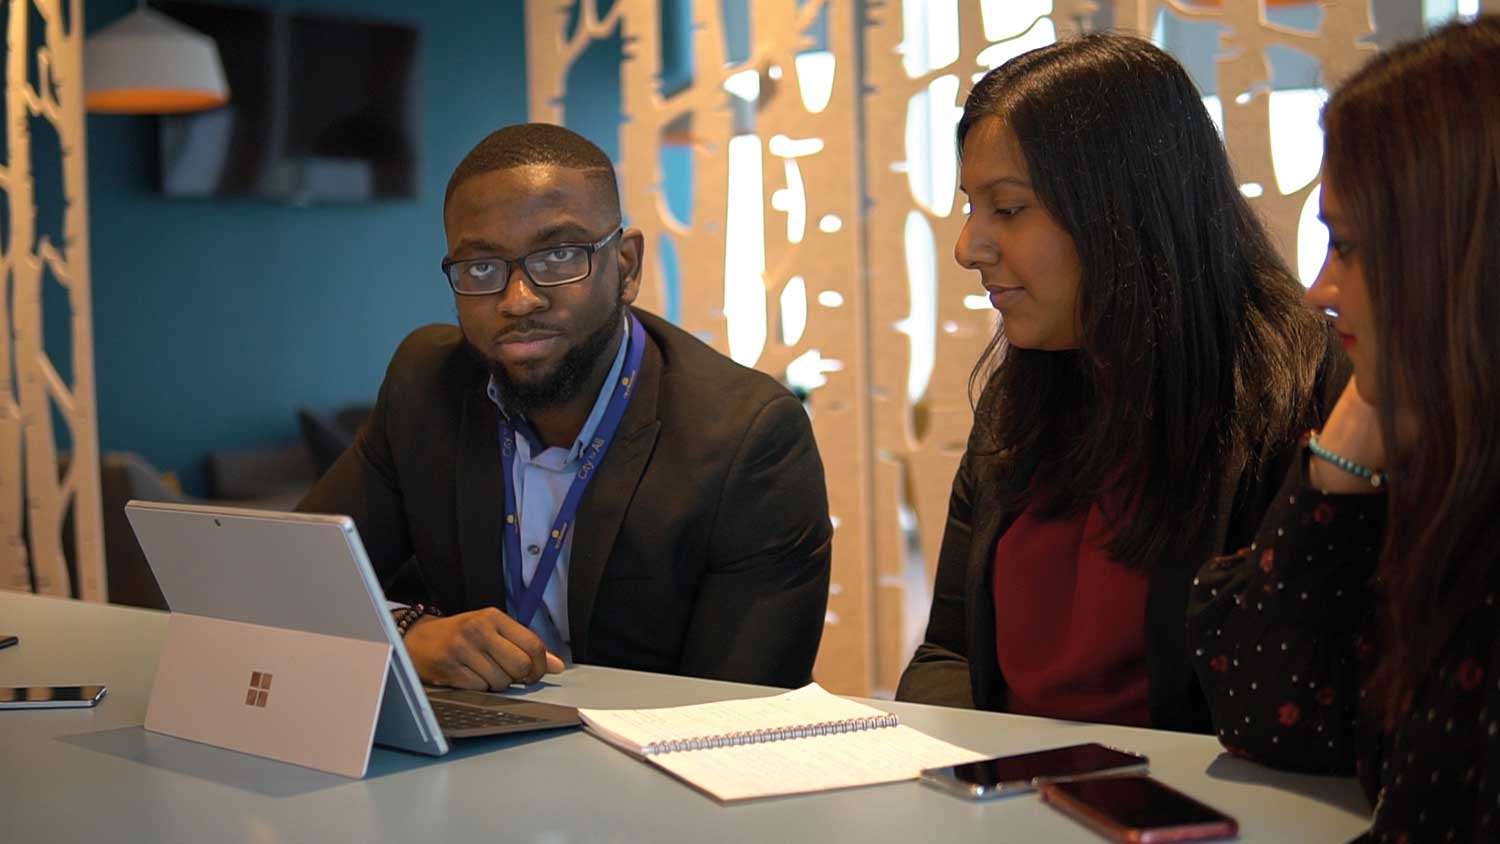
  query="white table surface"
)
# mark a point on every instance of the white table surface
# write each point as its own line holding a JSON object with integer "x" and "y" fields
{"x": 96, "y": 775}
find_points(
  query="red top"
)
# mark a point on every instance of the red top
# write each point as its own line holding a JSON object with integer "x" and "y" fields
{"x": 1070, "y": 622}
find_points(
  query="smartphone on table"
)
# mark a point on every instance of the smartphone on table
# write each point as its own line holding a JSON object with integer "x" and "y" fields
{"x": 1005, "y": 775}
{"x": 50, "y": 697}
{"x": 1138, "y": 809}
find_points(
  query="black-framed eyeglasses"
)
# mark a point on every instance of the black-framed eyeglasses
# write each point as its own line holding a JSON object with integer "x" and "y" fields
{"x": 561, "y": 263}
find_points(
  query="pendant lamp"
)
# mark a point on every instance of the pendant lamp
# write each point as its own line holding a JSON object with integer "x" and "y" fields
{"x": 148, "y": 63}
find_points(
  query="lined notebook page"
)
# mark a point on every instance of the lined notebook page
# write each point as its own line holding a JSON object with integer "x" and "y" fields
{"x": 634, "y": 729}
{"x": 822, "y": 763}
{"x": 783, "y": 766}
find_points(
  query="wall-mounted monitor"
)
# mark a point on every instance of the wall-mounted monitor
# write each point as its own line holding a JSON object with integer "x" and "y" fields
{"x": 321, "y": 109}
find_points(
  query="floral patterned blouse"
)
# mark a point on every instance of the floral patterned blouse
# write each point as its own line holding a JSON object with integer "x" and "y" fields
{"x": 1283, "y": 635}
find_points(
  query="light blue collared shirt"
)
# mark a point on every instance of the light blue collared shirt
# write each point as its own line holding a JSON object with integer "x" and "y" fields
{"x": 541, "y": 476}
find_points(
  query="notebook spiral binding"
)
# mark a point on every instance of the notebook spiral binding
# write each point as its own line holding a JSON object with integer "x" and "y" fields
{"x": 847, "y": 725}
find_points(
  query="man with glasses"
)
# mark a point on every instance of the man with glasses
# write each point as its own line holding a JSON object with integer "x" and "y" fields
{"x": 571, "y": 478}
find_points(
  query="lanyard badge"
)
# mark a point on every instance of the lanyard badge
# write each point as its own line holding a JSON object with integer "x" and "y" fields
{"x": 530, "y": 598}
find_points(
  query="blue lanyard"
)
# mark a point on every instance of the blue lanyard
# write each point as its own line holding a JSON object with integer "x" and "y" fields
{"x": 528, "y": 600}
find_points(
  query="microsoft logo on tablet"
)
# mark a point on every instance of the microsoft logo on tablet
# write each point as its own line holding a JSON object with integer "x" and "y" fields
{"x": 260, "y": 689}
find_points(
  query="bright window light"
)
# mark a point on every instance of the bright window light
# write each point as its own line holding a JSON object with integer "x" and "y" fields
{"x": 815, "y": 79}
{"x": 831, "y": 299}
{"x": 745, "y": 253}
{"x": 1041, "y": 34}
{"x": 929, "y": 35}
{"x": 977, "y": 302}
{"x": 1312, "y": 239}
{"x": 1296, "y": 137}
{"x": 1252, "y": 190}
{"x": 1215, "y": 108}
{"x": 1008, "y": 18}
{"x": 792, "y": 201}
{"x": 793, "y": 310}
{"x": 931, "y": 157}
{"x": 920, "y": 324}
{"x": 745, "y": 85}
{"x": 806, "y": 371}
{"x": 785, "y": 147}
{"x": 1435, "y": 13}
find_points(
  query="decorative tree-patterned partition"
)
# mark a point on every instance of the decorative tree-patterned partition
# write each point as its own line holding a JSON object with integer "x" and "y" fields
{"x": 44, "y": 87}
{"x": 824, "y": 208}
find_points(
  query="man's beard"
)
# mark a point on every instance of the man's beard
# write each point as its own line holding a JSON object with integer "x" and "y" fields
{"x": 565, "y": 381}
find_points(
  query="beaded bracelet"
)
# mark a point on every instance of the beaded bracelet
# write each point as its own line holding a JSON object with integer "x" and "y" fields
{"x": 407, "y": 616}
{"x": 1375, "y": 477}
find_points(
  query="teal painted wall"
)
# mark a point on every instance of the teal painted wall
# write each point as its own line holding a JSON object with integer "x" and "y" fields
{"x": 216, "y": 319}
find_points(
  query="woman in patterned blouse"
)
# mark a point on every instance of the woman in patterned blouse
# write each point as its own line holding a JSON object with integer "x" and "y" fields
{"x": 1362, "y": 628}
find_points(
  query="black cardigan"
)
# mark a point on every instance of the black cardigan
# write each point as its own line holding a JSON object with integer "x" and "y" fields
{"x": 957, "y": 666}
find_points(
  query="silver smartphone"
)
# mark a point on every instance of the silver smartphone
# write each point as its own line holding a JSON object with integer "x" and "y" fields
{"x": 50, "y": 697}
{"x": 1005, "y": 775}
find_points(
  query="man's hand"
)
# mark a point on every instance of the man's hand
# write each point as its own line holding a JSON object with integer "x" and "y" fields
{"x": 1352, "y": 431}
{"x": 483, "y": 649}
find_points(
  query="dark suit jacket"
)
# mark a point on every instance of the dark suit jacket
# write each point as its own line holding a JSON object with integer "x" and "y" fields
{"x": 957, "y": 664}
{"x": 702, "y": 544}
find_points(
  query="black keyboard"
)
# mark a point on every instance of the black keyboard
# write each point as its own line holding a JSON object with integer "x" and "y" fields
{"x": 456, "y": 716}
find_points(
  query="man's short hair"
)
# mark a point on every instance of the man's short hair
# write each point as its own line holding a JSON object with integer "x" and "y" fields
{"x": 526, "y": 144}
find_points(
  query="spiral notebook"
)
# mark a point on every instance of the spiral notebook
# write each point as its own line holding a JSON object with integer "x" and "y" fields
{"x": 794, "y": 743}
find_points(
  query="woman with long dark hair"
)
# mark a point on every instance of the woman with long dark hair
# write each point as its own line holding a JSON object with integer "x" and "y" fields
{"x": 1152, "y": 371}
{"x": 1362, "y": 629}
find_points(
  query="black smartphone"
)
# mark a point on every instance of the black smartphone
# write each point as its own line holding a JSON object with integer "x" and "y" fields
{"x": 50, "y": 697}
{"x": 1138, "y": 809}
{"x": 7, "y": 641}
{"x": 1005, "y": 775}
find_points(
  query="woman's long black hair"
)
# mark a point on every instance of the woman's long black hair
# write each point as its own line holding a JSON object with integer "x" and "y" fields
{"x": 1198, "y": 356}
{"x": 1413, "y": 154}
